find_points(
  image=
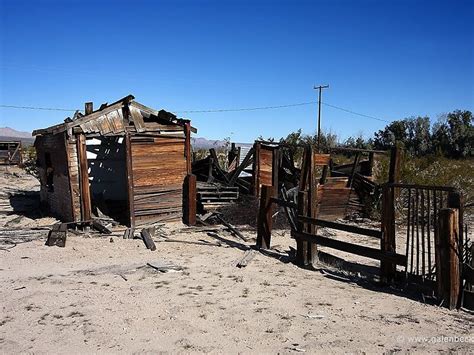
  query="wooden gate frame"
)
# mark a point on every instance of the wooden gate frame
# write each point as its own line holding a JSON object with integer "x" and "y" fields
{"x": 307, "y": 221}
{"x": 448, "y": 246}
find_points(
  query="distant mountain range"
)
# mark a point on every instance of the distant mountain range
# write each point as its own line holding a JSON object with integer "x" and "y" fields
{"x": 10, "y": 134}
{"x": 203, "y": 143}
{"x": 13, "y": 133}
{"x": 7, "y": 133}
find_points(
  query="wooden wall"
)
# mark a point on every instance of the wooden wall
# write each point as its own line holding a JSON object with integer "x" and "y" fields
{"x": 158, "y": 172}
{"x": 57, "y": 199}
{"x": 263, "y": 166}
{"x": 10, "y": 153}
{"x": 71, "y": 151}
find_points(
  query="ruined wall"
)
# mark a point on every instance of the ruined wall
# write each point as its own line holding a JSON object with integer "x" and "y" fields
{"x": 71, "y": 150}
{"x": 263, "y": 167}
{"x": 10, "y": 153}
{"x": 53, "y": 172}
{"x": 159, "y": 169}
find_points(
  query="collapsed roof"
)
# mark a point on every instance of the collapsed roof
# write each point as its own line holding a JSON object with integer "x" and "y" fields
{"x": 118, "y": 118}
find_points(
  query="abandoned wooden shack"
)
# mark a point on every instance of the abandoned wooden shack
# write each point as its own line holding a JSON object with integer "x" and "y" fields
{"x": 10, "y": 152}
{"x": 124, "y": 160}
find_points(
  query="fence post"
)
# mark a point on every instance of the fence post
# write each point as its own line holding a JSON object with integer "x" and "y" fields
{"x": 276, "y": 157}
{"x": 189, "y": 208}
{"x": 312, "y": 207}
{"x": 456, "y": 200}
{"x": 388, "y": 242}
{"x": 264, "y": 217}
{"x": 395, "y": 165}
{"x": 448, "y": 276}
{"x": 371, "y": 164}
{"x": 256, "y": 169}
{"x": 302, "y": 246}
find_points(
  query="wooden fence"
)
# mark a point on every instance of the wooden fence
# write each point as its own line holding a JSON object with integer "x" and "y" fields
{"x": 427, "y": 219}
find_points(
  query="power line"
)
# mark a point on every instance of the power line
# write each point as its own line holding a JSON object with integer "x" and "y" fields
{"x": 216, "y": 110}
{"x": 247, "y": 108}
{"x": 355, "y": 113}
{"x": 39, "y": 108}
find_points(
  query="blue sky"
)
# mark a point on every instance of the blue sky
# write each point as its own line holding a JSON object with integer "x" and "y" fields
{"x": 388, "y": 59}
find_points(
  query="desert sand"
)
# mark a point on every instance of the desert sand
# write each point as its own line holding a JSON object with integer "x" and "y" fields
{"x": 99, "y": 295}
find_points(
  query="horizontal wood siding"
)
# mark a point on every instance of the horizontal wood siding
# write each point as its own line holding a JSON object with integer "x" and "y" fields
{"x": 335, "y": 200}
{"x": 159, "y": 169}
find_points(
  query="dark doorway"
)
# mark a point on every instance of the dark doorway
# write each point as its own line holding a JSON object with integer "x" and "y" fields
{"x": 107, "y": 177}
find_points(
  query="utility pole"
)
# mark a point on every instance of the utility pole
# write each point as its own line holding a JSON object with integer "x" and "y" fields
{"x": 320, "y": 87}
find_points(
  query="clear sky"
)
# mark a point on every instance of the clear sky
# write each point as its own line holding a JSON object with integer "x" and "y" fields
{"x": 388, "y": 59}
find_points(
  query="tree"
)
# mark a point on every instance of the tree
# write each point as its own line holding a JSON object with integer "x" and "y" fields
{"x": 453, "y": 135}
{"x": 359, "y": 142}
{"x": 418, "y": 140}
{"x": 395, "y": 132}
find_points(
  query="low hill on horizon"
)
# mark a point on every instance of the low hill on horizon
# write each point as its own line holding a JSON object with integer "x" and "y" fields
{"x": 204, "y": 143}
{"x": 13, "y": 133}
{"x": 10, "y": 134}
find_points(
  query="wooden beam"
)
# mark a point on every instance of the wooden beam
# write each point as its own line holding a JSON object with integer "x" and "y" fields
{"x": 84, "y": 187}
{"x": 424, "y": 187}
{"x": 241, "y": 167}
{"x": 395, "y": 165}
{"x": 302, "y": 246}
{"x": 388, "y": 244}
{"x": 256, "y": 169}
{"x": 312, "y": 206}
{"x": 147, "y": 236}
{"x": 264, "y": 217}
{"x": 342, "y": 227}
{"x": 232, "y": 229}
{"x": 354, "y": 169}
{"x": 368, "y": 252}
{"x": 189, "y": 208}
{"x": 284, "y": 203}
{"x": 304, "y": 168}
{"x": 371, "y": 164}
{"x": 289, "y": 207}
{"x": 130, "y": 188}
{"x": 215, "y": 159}
{"x": 456, "y": 200}
{"x": 71, "y": 189}
{"x": 100, "y": 227}
{"x": 448, "y": 271}
{"x": 276, "y": 154}
{"x": 187, "y": 147}
{"x": 342, "y": 149}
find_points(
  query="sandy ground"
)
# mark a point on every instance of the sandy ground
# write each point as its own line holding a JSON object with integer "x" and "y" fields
{"x": 98, "y": 295}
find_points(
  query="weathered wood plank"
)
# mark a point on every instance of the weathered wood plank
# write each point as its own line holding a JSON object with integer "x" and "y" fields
{"x": 342, "y": 227}
{"x": 368, "y": 252}
{"x": 147, "y": 236}
{"x": 83, "y": 177}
